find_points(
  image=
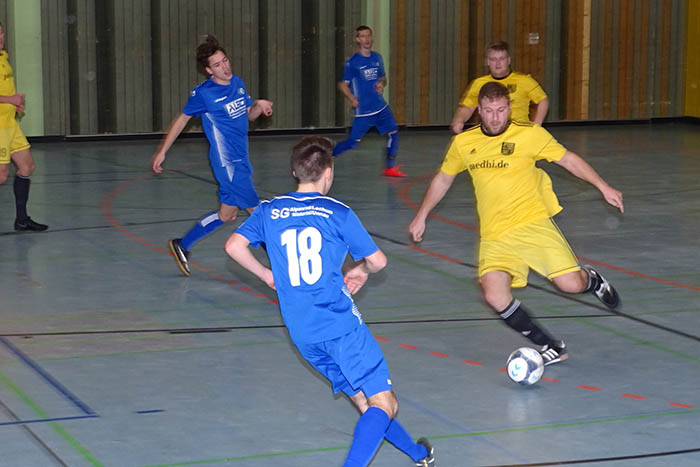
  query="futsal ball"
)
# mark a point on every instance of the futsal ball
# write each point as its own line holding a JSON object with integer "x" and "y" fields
{"x": 525, "y": 366}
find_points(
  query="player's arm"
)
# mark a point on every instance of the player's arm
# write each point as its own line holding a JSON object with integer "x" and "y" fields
{"x": 15, "y": 99}
{"x": 344, "y": 88}
{"x": 174, "y": 131}
{"x": 237, "y": 247}
{"x": 259, "y": 107}
{"x": 462, "y": 114}
{"x": 581, "y": 169}
{"x": 436, "y": 191}
{"x": 541, "y": 111}
{"x": 356, "y": 275}
{"x": 380, "y": 85}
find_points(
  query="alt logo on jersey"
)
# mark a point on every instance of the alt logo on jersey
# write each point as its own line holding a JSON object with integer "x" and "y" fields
{"x": 512, "y": 88}
{"x": 236, "y": 108}
{"x": 507, "y": 148}
{"x": 370, "y": 73}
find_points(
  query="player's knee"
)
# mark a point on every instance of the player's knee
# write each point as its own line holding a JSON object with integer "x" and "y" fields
{"x": 385, "y": 401}
{"x": 26, "y": 168}
{"x": 573, "y": 282}
{"x": 228, "y": 217}
{"x": 496, "y": 300}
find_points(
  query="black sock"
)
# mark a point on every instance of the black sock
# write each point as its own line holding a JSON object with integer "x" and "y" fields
{"x": 516, "y": 317}
{"x": 21, "y": 188}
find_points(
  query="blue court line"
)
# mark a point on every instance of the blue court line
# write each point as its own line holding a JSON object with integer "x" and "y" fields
{"x": 149, "y": 411}
{"x": 45, "y": 420}
{"x": 47, "y": 377}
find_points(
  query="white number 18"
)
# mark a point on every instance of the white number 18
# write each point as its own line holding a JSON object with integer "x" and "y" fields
{"x": 303, "y": 255}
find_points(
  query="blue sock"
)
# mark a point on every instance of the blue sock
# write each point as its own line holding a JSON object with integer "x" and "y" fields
{"x": 207, "y": 225}
{"x": 369, "y": 433}
{"x": 344, "y": 146}
{"x": 399, "y": 437}
{"x": 392, "y": 149}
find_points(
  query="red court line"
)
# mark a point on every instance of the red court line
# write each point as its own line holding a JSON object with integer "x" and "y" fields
{"x": 405, "y": 199}
{"x": 590, "y": 388}
{"x": 633, "y": 396}
{"x": 472, "y": 362}
{"x": 406, "y": 346}
{"x": 438, "y": 354}
{"x": 685, "y": 406}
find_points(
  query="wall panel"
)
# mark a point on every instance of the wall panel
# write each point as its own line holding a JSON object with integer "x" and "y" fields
{"x": 54, "y": 46}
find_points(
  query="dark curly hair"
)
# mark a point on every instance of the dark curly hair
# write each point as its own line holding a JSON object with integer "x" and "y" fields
{"x": 208, "y": 48}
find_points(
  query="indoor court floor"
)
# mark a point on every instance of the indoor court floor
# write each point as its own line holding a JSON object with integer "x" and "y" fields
{"x": 110, "y": 356}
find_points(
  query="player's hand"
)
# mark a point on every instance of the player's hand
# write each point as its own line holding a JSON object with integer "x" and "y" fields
{"x": 157, "y": 161}
{"x": 355, "y": 278}
{"x": 16, "y": 100}
{"x": 265, "y": 107}
{"x": 613, "y": 197}
{"x": 379, "y": 87}
{"x": 354, "y": 102}
{"x": 417, "y": 228}
{"x": 457, "y": 127}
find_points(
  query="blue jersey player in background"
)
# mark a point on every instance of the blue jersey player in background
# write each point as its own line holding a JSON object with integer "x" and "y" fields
{"x": 363, "y": 84}
{"x": 308, "y": 236}
{"x": 225, "y": 108}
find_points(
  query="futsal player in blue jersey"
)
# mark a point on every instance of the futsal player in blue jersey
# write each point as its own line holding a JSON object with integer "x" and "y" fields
{"x": 307, "y": 237}
{"x": 363, "y": 84}
{"x": 225, "y": 108}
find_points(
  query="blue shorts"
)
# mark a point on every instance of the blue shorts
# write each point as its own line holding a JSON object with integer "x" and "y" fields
{"x": 236, "y": 187}
{"x": 352, "y": 363}
{"x": 383, "y": 120}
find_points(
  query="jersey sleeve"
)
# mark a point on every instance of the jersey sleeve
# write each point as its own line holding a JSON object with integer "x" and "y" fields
{"x": 195, "y": 104}
{"x": 470, "y": 98}
{"x": 382, "y": 73}
{"x": 248, "y": 99}
{"x": 453, "y": 162}
{"x": 535, "y": 93}
{"x": 549, "y": 148}
{"x": 253, "y": 228}
{"x": 360, "y": 244}
{"x": 347, "y": 74}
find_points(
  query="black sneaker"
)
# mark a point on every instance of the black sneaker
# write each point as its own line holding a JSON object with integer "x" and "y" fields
{"x": 554, "y": 353}
{"x": 180, "y": 255}
{"x": 429, "y": 460}
{"x": 28, "y": 225}
{"x": 605, "y": 292}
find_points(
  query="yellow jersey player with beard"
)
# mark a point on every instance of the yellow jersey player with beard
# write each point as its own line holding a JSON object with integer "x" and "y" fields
{"x": 515, "y": 202}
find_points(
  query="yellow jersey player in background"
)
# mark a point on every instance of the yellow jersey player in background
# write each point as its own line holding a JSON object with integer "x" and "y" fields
{"x": 515, "y": 202}
{"x": 13, "y": 145}
{"x": 522, "y": 87}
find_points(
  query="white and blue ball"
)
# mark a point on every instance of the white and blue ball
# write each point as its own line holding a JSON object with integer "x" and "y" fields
{"x": 525, "y": 366}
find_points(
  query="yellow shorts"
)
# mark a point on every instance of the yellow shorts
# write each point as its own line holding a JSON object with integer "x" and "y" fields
{"x": 539, "y": 246}
{"x": 12, "y": 140}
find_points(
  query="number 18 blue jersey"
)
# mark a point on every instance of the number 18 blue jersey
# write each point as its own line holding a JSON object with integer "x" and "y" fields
{"x": 307, "y": 237}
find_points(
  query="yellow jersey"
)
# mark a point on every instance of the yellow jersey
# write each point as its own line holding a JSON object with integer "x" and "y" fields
{"x": 7, "y": 88}
{"x": 510, "y": 189}
{"x": 522, "y": 89}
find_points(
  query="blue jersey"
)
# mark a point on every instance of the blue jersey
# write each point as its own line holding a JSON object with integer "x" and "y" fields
{"x": 307, "y": 237}
{"x": 224, "y": 113}
{"x": 362, "y": 74}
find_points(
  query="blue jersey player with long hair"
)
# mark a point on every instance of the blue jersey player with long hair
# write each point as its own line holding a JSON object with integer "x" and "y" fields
{"x": 225, "y": 108}
{"x": 363, "y": 83}
{"x": 307, "y": 236}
